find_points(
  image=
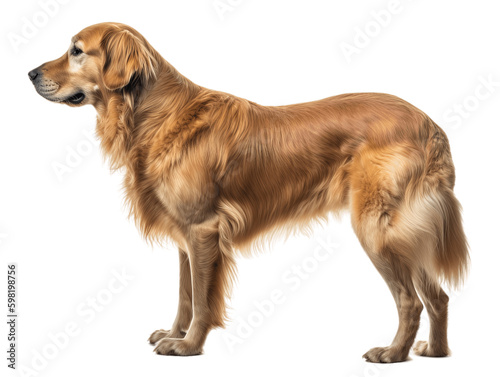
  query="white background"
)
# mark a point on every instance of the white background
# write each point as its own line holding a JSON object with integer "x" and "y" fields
{"x": 69, "y": 235}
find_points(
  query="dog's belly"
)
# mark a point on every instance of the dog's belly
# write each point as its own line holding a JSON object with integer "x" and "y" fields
{"x": 282, "y": 196}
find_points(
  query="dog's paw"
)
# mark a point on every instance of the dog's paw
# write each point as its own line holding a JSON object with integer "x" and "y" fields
{"x": 384, "y": 355}
{"x": 177, "y": 347}
{"x": 160, "y": 334}
{"x": 422, "y": 348}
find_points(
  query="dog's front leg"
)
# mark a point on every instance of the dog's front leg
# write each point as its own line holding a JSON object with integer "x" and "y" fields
{"x": 212, "y": 271}
{"x": 185, "y": 308}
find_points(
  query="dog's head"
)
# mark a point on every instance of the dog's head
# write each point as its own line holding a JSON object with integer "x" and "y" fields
{"x": 101, "y": 59}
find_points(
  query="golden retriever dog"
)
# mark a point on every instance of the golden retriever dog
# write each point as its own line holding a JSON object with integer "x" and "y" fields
{"x": 214, "y": 173}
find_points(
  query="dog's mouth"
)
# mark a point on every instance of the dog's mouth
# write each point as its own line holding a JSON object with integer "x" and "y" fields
{"x": 76, "y": 99}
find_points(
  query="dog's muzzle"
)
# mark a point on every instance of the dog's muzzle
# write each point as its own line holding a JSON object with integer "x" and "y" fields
{"x": 47, "y": 88}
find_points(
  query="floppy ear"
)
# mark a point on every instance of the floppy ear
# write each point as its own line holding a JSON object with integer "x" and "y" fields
{"x": 125, "y": 54}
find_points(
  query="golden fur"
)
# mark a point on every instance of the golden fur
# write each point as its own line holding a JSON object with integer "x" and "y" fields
{"x": 213, "y": 172}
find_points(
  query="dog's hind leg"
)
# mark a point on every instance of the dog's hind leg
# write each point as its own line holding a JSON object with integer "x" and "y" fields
{"x": 436, "y": 303}
{"x": 376, "y": 197}
{"x": 397, "y": 277}
{"x": 397, "y": 273}
{"x": 185, "y": 307}
{"x": 212, "y": 272}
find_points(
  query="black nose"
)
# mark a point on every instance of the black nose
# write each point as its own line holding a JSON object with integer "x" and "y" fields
{"x": 33, "y": 74}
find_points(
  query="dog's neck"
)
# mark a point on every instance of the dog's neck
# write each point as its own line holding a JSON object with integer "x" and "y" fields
{"x": 120, "y": 112}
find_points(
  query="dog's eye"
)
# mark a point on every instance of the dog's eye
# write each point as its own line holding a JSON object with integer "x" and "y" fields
{"x": 76, "y": 51}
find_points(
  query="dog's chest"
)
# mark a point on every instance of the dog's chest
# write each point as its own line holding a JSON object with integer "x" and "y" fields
{"x": 165, "y": 200}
